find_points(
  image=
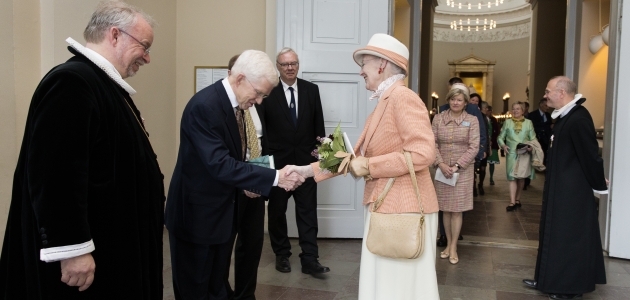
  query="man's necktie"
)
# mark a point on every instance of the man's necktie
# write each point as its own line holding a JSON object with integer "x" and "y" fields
{"x": 292, "y": 107}
{"x": 252, "y": 138}
{"x": 544, "y": 117}
{"x": 241, "y": 129}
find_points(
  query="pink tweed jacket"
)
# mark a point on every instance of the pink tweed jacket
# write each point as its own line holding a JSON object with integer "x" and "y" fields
{"x": 399, "y": 122}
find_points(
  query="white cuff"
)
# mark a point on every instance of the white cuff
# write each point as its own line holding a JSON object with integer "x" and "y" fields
{"x": 275, "y": 181}
{"x": 65, "y": 252}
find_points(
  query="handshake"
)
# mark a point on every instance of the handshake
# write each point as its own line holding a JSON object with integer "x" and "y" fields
{"x": 293, "y": 176}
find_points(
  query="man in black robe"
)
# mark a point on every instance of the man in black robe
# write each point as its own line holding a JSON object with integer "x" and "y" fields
{"x": 86, "y": 219}
{"x": 570, "y": 260}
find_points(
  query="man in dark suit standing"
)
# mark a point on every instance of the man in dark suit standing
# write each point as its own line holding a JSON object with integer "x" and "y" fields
{"x": 294, "y": 118}
{"x": 211, "y": 172}
{"x": 542, "y": 125}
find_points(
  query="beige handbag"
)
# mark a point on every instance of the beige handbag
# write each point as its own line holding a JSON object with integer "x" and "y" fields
{"x": 396, "y": 235}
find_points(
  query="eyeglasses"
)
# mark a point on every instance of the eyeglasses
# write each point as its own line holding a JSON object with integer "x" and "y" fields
{"x": 258, "y": 93}
{"x": 147, "y": 50}
{"x": 291, "y": 64}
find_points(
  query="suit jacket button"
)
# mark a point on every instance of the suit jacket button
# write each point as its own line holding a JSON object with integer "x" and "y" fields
{"x": 44, "y": 236}
{"x": 42, "y": 230}
{"x": 44, "y": 242}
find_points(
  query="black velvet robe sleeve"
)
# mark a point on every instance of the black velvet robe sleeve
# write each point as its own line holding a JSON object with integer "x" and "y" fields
{"x": 61, "y": 124}
{"x": 586, "y": 149}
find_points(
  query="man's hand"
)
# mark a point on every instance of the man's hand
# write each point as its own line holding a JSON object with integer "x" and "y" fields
{"x": 304, "y": 171}
{"x": 78, "y": 271}
{"x": 250, "y": 194}
{"x": 290, "y": 181}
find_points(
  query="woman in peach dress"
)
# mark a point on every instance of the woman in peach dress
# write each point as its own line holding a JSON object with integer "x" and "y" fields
{"x": 400, "y": 122}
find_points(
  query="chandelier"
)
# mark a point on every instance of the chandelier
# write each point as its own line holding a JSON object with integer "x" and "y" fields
{"x": 475, "y": 26}
{"x": 479, "y": 5}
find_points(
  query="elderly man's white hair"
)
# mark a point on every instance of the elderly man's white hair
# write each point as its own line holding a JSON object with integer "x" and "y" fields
{"x": 255, "y": 65}
{"x": 113, "y": 14}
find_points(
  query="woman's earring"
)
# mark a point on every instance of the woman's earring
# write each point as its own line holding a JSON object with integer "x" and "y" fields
{"x": 380, "y": 70}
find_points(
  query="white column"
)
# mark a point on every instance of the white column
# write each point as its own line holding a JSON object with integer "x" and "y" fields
{"x": 617, "y": 137}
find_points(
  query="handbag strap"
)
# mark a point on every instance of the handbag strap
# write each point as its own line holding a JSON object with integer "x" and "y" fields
{"x": 381, "y": 198}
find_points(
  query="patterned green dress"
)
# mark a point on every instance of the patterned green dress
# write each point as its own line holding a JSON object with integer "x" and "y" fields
{"x": 511, "y": 138}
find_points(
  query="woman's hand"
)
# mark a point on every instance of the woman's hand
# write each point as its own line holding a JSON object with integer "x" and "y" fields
{"x": 446, "y": 170}
{"x": 529, "y": 149}
{"x": 506, "y": 148}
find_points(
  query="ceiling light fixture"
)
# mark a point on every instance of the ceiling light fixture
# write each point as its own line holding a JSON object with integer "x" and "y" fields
{"x": 598, "y": 41}
{"x": 469, "y": 4}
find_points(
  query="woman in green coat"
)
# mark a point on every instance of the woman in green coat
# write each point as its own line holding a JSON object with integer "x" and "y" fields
{"x": 514, "y": 131}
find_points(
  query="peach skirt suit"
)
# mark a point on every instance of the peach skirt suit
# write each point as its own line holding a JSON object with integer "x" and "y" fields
{"x": 457, "y": 141}
{"x": 399, "y": 122}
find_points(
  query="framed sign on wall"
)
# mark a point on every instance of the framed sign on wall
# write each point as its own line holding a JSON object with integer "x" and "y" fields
{"x": 206, "y": 75}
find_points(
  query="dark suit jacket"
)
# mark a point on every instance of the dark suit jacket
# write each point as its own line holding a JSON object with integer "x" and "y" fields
{"x": 483, "y": 132}
{"x": 542, "y": 129}
{"x": 290, "y": 145}
{"x": 209, "y": 172}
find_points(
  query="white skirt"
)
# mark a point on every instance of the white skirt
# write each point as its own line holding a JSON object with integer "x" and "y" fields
{"x": 384, "y": 278}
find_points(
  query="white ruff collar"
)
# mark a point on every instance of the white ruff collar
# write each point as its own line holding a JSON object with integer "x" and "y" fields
{"x": 385, "y": 85}
{"x": 102, "y": 63}
{"x": 565, "y": 109}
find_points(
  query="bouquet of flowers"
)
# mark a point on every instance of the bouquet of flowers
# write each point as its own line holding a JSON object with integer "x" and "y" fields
{"x": 331, "y": 152}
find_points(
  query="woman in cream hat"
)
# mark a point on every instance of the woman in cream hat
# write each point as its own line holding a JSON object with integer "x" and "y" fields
{"x": 400, "y": 122}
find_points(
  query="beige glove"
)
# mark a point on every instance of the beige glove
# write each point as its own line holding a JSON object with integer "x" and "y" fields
{"x": 359, "y": 166}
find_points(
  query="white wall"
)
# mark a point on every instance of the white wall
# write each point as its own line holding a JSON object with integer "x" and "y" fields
{"x": 593, "y": 67}
{"x": 8, "y": 149}
{"x": 619, "y": 163}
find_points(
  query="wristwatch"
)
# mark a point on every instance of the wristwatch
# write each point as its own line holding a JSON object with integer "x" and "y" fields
{"x": 458, "y": 166}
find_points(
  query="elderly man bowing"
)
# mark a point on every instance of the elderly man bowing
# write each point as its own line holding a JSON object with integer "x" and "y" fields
{"x": 88, "y": 192}
{"x": 211, "y": 172}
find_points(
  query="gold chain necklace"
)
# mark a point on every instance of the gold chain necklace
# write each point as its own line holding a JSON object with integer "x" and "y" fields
{"x": 137, "y": 120}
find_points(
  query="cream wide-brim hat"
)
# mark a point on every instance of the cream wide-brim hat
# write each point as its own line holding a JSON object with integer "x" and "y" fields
{"x": 387, "y": 47}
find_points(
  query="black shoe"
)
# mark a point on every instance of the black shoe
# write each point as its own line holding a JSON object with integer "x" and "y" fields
{"x": 282, "y": 264}
{"x": 510, "y": 207}
{"x": 565, "y": 296}
{"x": 474, "y": 192}
{"x": 442, "y": 241}
{"x": 518, "y": 203}
{"x": 460, "y": 237}
{"x": 491, "y": 182}
{"x": 530, "y": 283}
{"x": 481, "y": 191}
{"x": 314, "y": 267}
